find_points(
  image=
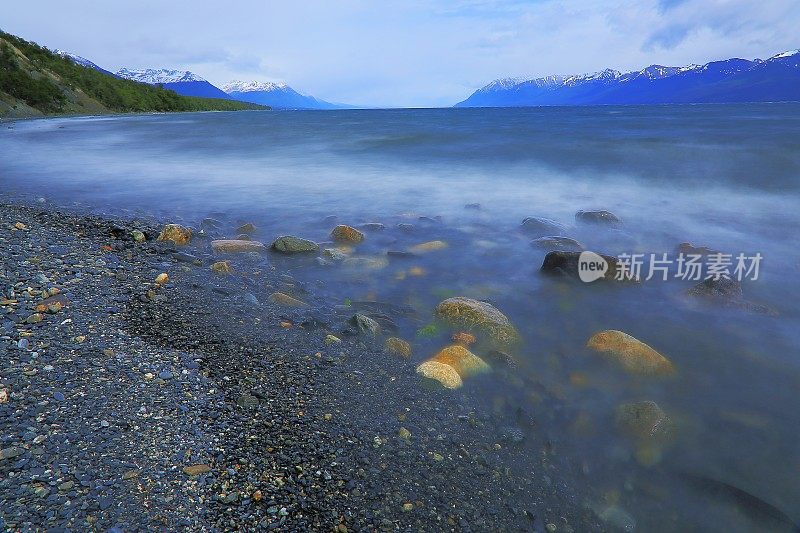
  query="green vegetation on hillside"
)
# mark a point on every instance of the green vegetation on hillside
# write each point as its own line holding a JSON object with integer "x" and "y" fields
{"x": 49, "y": 83}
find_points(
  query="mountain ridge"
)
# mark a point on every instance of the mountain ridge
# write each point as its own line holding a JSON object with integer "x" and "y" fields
{"x": 276, "y": 95}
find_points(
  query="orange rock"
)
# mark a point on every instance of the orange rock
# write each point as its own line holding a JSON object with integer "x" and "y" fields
{"x": 232, "y": 246}
{"x": 176, "y": 233}
{"x": 460, "y": 362}
{"x": 632, "y": 354}
{"x": 463, "y": 338}
{"x": 347, "y": 234}
{"x": 162, "y": 278}
{"x": 429, "y": 246}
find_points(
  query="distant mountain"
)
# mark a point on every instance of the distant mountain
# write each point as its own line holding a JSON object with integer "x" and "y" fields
{"x": 182, "y": 82}
{"x": 275, "y": 95}
{"x": 733, "y": 80}
{"x": 82, "y": 61}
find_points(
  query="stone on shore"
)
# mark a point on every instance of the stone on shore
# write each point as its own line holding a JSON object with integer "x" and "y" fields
{"x": 398, "y": 346}
{"x": 600, "y": 216}
{"x": 233, "y": 246}
{"x": 365, "y": 325}
{"x": 176, "y": 233}
{"x": 441, "y": 372}
{"x": 286, "y": 300}
{"x": 542, "y": 226}
{"x": 290, "y": 244}
{"x": 196, "y": 470}
{"x": 344, "y": 233}
{"x": 459, "y": 359}
{"x": 555, "y": 242}
{"x": 429, "y": 246}
{"x": 633, "y": 355}
{"x": 222, "y": 267}
{"x": 162, "y": 278}
{"x": 473, "y": 315}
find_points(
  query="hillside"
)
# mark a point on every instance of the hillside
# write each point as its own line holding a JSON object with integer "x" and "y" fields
{"x": 181, "y": 81}
{"x": 734, "y": 80}
{"x": 35, "y": 81}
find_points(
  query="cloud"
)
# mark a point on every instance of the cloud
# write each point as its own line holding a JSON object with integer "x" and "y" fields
{"x": 407, "y": 52}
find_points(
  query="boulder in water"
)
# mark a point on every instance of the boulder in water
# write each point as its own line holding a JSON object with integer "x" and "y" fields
{"x": 289, "y": 244}
{"x": 176, "y": 233}
{"x": 633, "y": 355}
{"x": 473, "y": 315}
{"x": 344, "y": 233}
{"x": 555, "y": 242}
{"x": 429, "y": 246}
{"x": 541, "y": 226}
{"x": 233, "y": 246}
{"x": 726, "y": 292}
{"x": 247, "y": 228}
{"x": 365, "y": 325}
{"x": 563, "y": 263}
{"x": 458, "y": 358}
{"x": 643, "y": 420}
{"x": 600, "y": 216}
{"x": 398, "y": 346}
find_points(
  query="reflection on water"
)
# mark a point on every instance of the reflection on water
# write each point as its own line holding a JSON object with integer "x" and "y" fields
{"x": 727, "y": 177}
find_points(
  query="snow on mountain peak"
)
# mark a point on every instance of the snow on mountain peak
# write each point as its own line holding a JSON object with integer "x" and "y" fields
{"x": 253, "y": 86}
{"x": 162, "y": 75}
{"x": 788, "y": 53}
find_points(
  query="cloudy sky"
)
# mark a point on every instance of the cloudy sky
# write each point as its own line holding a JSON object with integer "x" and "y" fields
{"x": 404, "y": 52}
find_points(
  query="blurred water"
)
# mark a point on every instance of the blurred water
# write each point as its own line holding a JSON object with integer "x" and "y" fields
{"x": 727, "y": 177}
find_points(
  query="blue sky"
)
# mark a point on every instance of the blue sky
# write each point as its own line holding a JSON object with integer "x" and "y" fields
{"x": 405, "y": 53}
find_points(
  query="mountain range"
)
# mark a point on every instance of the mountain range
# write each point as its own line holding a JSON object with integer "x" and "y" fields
{"x": 733, "y": 80}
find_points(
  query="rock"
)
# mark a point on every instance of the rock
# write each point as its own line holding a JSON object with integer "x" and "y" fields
{"x": 617, "y": 518}
{"x": 232, "y": 246}
{"x": 368, "y": 263}
{"x": 196, "y": 470}
{"x": 162, "y": 278}
{"x": 247, "y": 401}
{"x": 598, "y": 217}
{"x": 373, "y": 226}
{"x": 643, "y": 420}
{"x": 11, "y": 452}
{"x": 633, "y": 355}
{"x": 334, "y": 254}
{"x": 365, "y": 325}
{"x": 244, "y": 237}
{"x": 222, "y": 267}
{"x": 247, "y": 228}
{"x": 345, "y": 233}
{"x": 429, "y": 246}
{"x": 557, "y": 243}
{"x": 58, "y": 396}
{"x": 463, "y": 338}
{"x": 501, "y": 359}
{"x": 165, "y": 374}
{"x": 332, "y": 339}
{"x": 398, "y": 346}
{"x": 726, "y": 292}
{"x": 210, "y": 223}
{"x": 176, "y": 233}
{"x": 562, "y": 263}
{"x": 20, "y": 226}
{"x": 404, "y": 434}
{"x": 541, "y": 226}
{"x": 138, "y": 236}
{"x": 289, "y": 244}
{"x": 463, "y": 362}
{"x": 35, "y": 318}
{"x": 286, "y": 300}
{"x": 689, "y": 249}
{"x": 473, "y": 315}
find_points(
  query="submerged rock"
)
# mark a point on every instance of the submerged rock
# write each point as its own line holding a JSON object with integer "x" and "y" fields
{"x": 563, "y": 263}
{"x": 370, "y": 263}
{"x": 458, "y": 358}
{"x": 632, "y": 354}
{"x": 373, "y": 226}
{"x": 346, "y": 233}
{"x": 246, "y": 228}
{"x": 281, "y": 298}
{"x": 726, "y": 292}
{"x": 690, "y": 249}
{"x": 557, "y": 243}
{"x": 398, "y": 346}
{"x": 600, "y": 216}
{"x": 463, "y": 338}
{"x": 289, "y": 244}
{"x": 473, "y": 315}
{"x": 643, "y": 420}
{"x": 365, "y": 325}
{"x": 429, "y": 246}
{"x": 176, "y": 233}
{"x": 334, "y": 254}
{"x": 232, "y": 246}
{"x": 222, "y": 267}
{"x": 542, "y": 226}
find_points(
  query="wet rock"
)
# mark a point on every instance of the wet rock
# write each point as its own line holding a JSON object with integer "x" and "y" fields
{"x": 334, "y": 254}
{"x": 210, "y": 224}
{"x": 398, "y": 346}
{"x": 429, "y": 246}
{"x": 643, "y": 420}
{"x": 373, "y": 226}
{"x": 541, "y": 226}
{"x": 689, "y": 249}
{"x": 176, "y": 233}
{"x": 631, "y": 354}
{"x": 162, "y": 278}
{"x": 400, "y": 254}
{"x": 232, "y": 246}
{"x": 344, "y": 233}
{"x": 557, "y": 243}
{"x": 286, "y": 300}
{"x": 473, "y": 315}
{"x": 562, "y": 263}
{"x": 196, "y": 470}
{"x": 365, "y": 325}
{"x": 289, "y": 244}
{"x": 222, "y": 267}
{"x": 501, "y": 359}
{"x": 598, "y": 217}
{"x": 244, "y": 237}
{"x": 332, "y": 339}
{"x": 464, "y": 338}
{"x": 463, "y": 362}
{"x": 247, "y": 228}
{"x": 617, "y": 518}
{"x": 726, "y": 292}
{"x": 138, "y": 236}
{"x": 367, "y": 263}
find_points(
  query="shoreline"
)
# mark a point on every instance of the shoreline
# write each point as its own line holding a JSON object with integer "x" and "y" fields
{"x": 191, "y": 405}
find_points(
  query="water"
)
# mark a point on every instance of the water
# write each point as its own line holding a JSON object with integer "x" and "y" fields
{"x": 727, "y": 177}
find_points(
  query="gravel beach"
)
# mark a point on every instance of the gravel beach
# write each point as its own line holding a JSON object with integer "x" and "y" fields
{"x": 199, "y": 404}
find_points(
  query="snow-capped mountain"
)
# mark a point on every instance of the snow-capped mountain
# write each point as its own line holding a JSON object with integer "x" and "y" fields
{"x": 181, "y": 81}
{"x": 82, "y": 61}
{"x": 732, "y": 80}
{"x": 275, "y": 95}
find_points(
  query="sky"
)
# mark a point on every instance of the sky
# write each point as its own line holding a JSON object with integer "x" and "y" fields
{"x": 407, "y": 53}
